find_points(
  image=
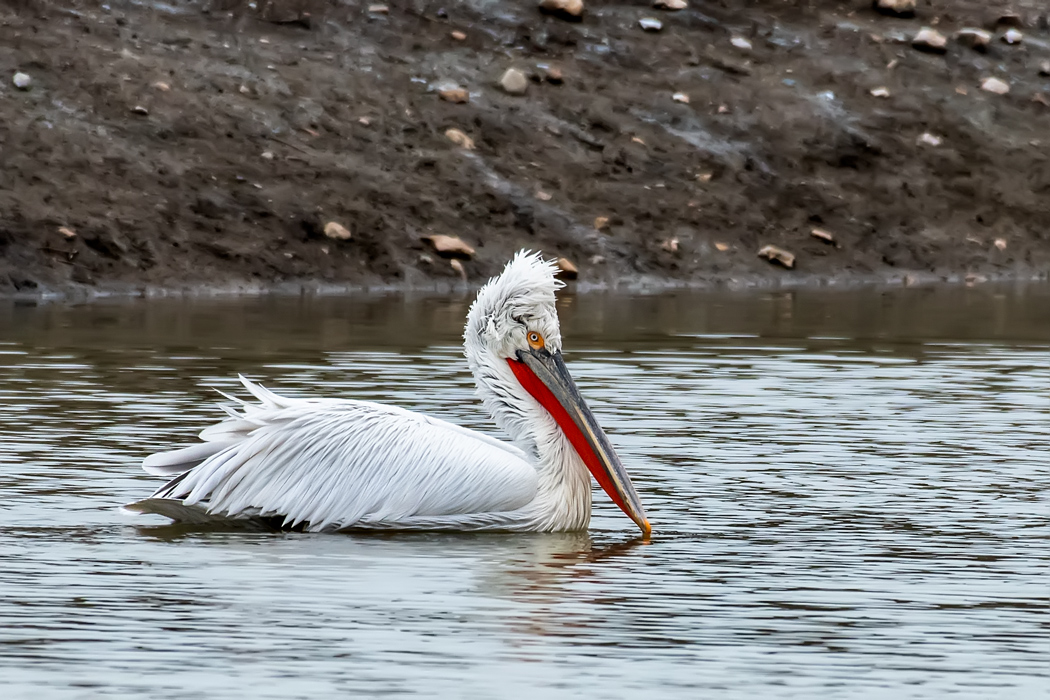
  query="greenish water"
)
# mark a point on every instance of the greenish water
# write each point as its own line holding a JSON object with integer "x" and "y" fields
{"x": 849, "y": 491}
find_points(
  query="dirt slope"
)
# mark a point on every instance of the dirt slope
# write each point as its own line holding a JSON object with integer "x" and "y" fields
{"x": 198, "y": 145}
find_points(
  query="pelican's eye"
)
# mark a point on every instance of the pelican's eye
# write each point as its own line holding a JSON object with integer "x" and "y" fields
{"x": 535, "y": 340}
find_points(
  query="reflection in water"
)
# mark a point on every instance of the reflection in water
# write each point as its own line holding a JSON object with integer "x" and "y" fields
{"x": 848, "y": 489}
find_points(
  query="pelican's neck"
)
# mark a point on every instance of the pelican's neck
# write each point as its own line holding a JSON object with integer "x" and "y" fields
{"x": 564, "y": 482}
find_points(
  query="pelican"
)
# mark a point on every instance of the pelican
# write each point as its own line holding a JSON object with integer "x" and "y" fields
{"x": 339, "y": 464}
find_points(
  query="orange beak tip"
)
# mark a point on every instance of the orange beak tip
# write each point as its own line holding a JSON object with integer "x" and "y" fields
{"x": 647, "y": 529}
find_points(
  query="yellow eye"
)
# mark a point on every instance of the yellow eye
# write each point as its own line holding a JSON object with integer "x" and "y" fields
{"x": 535, "y": 340}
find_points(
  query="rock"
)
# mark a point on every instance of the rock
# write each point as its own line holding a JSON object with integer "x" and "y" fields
{"x": 680, "y": 97}
{"x": 267, "y": 155}
{"x": 976, "y": 39}
{"x": 456, "y": 95}
{"x": 1009, "y": 19}
{"x": 449, "y": 246}
{"x": 1012, "y": 36}
{"x": 1044, "y": 68}
{"x": 162, "y": 86}
{"x": 928, "y": 139}
{"x": 777, "y": 255}
{"x": 895, "y": 8}
{"x": 22, "y": 81}
{"x": 243, "y": 89}
{"x": 552, "y": 74}
{"x": 337, "y": 231}
{"x": 571, "y": 10}
{"x": 458, "y": 267}
{"x": 670, "y": 245}
{"x": 458, "y": 35}
{"x": 514, "y": 82}
{"x": 543, "y": 196}
{"x": 460, "y": 139}
{"x": 364, "y": 121}
{"x": 721, "y": 247}
{"x": 1000, "y": 243}
{"x": 704, "y": 177}
{"x": 601, "y": 223}
{"x": 823, "y": 235}
{"x": 378, "y": 9}
{"x": 670, "y": 5}
{"x": 741, "y": 43}
{"x": 67, "y": 232}
{"x": 650, "y": 24}
{"x": 140, "y": 110}
{"x": 930, "y": 40}
{"x": 880, "y": 92}
{"x": 995, "y": 85}
{"x": 566, "y": 270}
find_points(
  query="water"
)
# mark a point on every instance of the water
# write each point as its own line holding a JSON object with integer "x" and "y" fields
{"x": 849, "y": 492}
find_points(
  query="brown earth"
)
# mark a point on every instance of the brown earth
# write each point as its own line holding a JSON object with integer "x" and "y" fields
{"x": 192, "y": 145}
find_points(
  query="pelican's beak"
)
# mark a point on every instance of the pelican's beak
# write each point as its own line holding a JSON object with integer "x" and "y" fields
{"x": 545, "y": 376}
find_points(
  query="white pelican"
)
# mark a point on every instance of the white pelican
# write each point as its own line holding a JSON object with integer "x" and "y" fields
{"x": 336, "y": 464}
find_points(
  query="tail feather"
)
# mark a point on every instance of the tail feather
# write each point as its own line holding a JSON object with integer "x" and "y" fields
{"x": 184, "y": 459}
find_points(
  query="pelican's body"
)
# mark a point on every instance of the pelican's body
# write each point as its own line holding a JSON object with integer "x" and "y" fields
{"x": 331, "y": 464}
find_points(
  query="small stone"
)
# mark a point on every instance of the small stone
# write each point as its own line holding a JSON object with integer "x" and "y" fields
{"x": 460, "y": 139}
{"x": 670, "y": 245}
{"x": 514, "y": 82}
{"x": 930, "y": 40}
{"x": 267, "y": 155}
{"x": 543, "y": 196}
{"x": 823, "y": 235}
{"x": 994, "y": 85}
{"x": 1044, "y": 68}
{"x": 777, "y": 255}
{"x": 67, "y": 232}
{"x": 680, "y": 97}
{"x": 243, "y": 89}
{"x": 458, "y": 267}
{"x": 1012, "y": 36}
{"x": 337, "y": 231}
{"x": 880, "y": 92}
{"x": 704, "y": 177}
{"x": 928, "y": 139}
{"x": 566, "y": 270}
{"x": 571, "y": 10}
{"x": 162, "y": 86}
{"x": 597, "y": 259}
{"x": 449, "y": 246}
{"x": 458, "y": 35}
{"x": 140, "y": 110}
{"x": 721, "y": 247}
{"x": 378, "y": 9}
{"x": 364, "y": 121}
{"x": 895, "y": 8}
{"x": 553, "y": 74}
{"x": 976, "y": 39}
{"x": 650, "y": 24}
{"x": 638, "y": 140}
{"x": 1000, "y": 243}
{"x": 741, "y": 43}
{"x": 456, "y": 95}
{"x": 974, "y": 278}
{"x": 1041, "y": 99}
{"x": 1009, "y": 19}
{"x": 670, "y": 5}
{"x": 22, "y": 81}
{"x": 723, "y": 109}
{"x": 601, "y": 223}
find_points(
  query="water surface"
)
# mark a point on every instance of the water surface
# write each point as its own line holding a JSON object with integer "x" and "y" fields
{"x": 849, "y": 492}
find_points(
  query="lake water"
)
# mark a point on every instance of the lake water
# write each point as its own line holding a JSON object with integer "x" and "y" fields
{"x": 849, "y": 492}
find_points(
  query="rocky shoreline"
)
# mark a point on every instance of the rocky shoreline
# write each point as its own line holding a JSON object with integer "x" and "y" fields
{"x": 328, "y": 147}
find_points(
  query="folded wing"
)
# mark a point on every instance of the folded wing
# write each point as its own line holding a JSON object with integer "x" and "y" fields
{"x": 331, "y": 464}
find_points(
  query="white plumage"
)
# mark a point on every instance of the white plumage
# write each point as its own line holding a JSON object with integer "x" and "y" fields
{"x": 329, "y": 464}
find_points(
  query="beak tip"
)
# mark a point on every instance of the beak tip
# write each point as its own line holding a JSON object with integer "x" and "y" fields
{"x": 647, "y": 529}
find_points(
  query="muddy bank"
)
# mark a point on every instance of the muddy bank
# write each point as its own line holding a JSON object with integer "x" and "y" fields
{"x": 191, "y": 145}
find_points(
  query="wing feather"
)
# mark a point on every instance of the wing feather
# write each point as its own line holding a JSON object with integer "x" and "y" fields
{"x": 336, "y": 463}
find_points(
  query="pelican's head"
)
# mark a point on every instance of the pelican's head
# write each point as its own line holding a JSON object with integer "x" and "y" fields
{"x": 513, "y": 324}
